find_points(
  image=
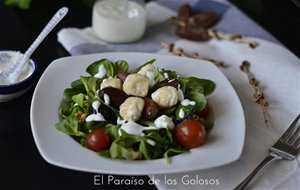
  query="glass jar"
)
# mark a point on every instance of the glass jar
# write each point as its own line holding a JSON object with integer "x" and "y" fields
{"x": 118, "y": 21}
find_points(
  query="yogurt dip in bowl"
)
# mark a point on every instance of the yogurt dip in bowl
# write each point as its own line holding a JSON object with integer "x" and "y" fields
{"x": 13, "y": 89}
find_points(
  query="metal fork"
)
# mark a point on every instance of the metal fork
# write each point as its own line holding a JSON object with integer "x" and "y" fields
{"x": 287, "y": 147}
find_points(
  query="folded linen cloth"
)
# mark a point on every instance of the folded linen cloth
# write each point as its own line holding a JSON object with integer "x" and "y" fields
{"x": 275, "y": 67}
{"x": 277, "y": 70}
{"x": 84, "y": 41}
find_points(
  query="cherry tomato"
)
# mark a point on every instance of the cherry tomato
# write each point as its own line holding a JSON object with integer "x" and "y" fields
{"x": 98, "y": 140}
{"x": 203, "y": 113}
{"x": 190, "y": 133}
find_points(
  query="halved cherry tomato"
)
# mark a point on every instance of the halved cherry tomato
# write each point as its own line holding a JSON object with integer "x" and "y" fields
{"x": 98, "y": 140}
{"x": 190, "y": 133}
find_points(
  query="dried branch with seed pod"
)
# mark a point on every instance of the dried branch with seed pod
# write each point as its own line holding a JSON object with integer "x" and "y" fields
{"x": 232, "y": 37}
{"x": 170, "y": 47}
{"x": 258, "y": 95}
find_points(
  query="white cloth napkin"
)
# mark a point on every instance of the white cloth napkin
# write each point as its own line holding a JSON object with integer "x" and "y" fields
{"x": 276, "y": 68}
{"x": 278, "y": 71}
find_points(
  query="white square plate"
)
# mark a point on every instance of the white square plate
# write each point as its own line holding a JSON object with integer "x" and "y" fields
{"x": 225, "y": 141}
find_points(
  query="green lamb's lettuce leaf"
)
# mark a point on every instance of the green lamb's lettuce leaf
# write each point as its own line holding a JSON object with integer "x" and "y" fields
{"x": 151, "y": 146}
{"x": 127, "y": 140}
{"x": 64, "y": 112}
{"x": 71, "y": 110}
{"x": 169, "y": 136}
{"x": 112, "y": 131}
{"x": 79, "y": 99}
{"x": 78, "y": 85}
{"x": 69, "y": 93}
{"x": 187, "y": 110}
{"x": 161, "y": 137}
{"x": 168, "y": 111}
{"x": 203, "y": 86}
{"x": 173, "y": 151}
{"x": 157, "y": 142}
{"x": 91, "y": 85}
{"x": 140, "y": 67}
{"x": 70, "y": 126}
{"x": 120, "y": 66}
{"x": 199, "y": 98}
{"x": 94, "y": 125}
{"x": 93, "y": 68}
{"x": 148, "y": 147}
{"x": 159, "y": 76}
{"x": 171, "y": 74}
{"x": 197, "y": 89}
{"x": 145, "y": 122}
{"x": 122, "y": 146}
{"x": 120, "y": 152}
{"x": 104, "y": 153}
{"x": 145, "y": 149}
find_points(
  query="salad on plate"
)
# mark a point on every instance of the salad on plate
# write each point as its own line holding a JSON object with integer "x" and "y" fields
{"x": 143, "y": 114}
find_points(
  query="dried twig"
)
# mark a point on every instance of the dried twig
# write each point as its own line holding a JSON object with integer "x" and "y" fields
{"x": 232, "y": 37}
{"x": 170, "y": 47}
{"x": 258, "y": 95}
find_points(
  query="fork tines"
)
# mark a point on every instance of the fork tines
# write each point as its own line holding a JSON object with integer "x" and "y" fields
{"x": 292, "y": 135}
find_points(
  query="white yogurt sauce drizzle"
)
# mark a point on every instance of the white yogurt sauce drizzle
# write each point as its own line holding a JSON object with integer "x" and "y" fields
{"x": 164, "y": 122}
{"x": 134, "y": 128}
{"x": 106, "y": 99}
{"x": 101, "y": 72}
{"x": 187, "y": 102}
{"x": 180, "y": 94}
{"x": 181, "y": 114}
{"x": 151, "y": 76}
{"x": 95, "y": 116}
{"x": 166, "y": 75}
{"x": 120, "y": 121}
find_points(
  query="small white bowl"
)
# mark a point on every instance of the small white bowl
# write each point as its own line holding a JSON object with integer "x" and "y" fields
{"x": 14, "y": 90}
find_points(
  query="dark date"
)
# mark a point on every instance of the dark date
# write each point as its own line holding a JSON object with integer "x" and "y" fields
{"x": 203, "y": 20}
{"x": 192, "y": 33}
{"x": 151, "y": 109}
{"x": 116, "y": 96}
